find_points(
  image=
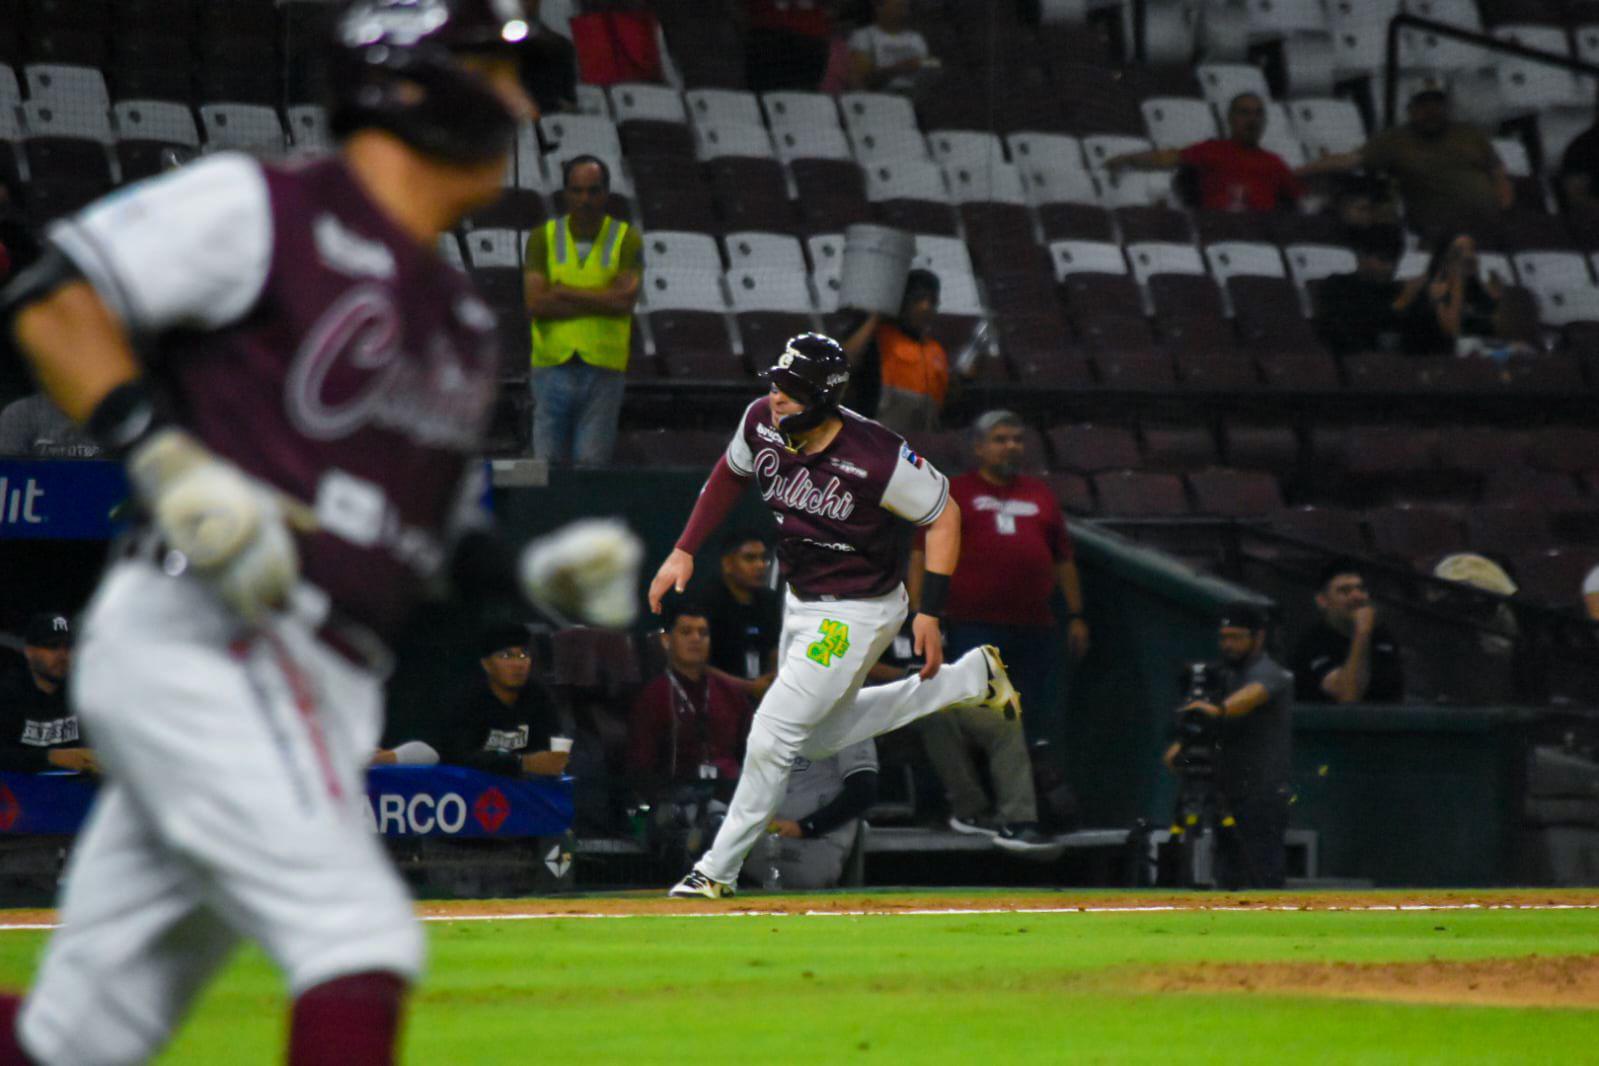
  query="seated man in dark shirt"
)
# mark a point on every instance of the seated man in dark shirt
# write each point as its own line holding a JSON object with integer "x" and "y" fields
{"x": 688, "y": 725}
{"x": 745, "y": 615}
{"x": 1357, "y": 312}
{"x": 38, "y": 730}
{"x": 505, "y": 725}
{"x": 1348, "y": 656}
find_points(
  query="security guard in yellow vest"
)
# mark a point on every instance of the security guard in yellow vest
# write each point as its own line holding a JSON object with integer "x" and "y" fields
{"x": 582, "y": 280}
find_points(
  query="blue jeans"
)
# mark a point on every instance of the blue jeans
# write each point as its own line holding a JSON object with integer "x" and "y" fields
{"x": 575, "y": 410}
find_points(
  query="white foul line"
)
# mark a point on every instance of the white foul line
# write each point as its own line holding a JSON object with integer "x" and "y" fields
{"x": 934, "y": 912}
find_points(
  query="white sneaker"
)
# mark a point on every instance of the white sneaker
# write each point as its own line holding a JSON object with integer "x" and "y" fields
{"x": 697, "y": 884}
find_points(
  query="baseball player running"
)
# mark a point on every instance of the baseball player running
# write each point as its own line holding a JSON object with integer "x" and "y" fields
{"x": 300, "y": 428}
{"x": 845, "y": 492}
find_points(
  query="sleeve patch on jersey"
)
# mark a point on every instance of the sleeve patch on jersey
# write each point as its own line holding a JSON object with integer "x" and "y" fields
{"x": 834, "y": 643}
{"x": 909, "y": 456}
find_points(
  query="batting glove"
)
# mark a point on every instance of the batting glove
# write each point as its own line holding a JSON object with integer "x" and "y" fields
{"x": 229, "y": 528}
{"x": 588, "y": 570}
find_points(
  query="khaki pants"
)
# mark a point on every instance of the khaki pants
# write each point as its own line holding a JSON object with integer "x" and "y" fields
{"x": 948, "y": 737}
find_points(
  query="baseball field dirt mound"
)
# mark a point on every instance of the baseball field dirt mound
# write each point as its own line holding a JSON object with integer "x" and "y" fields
{"x": 892, "y": 902}
{"x": 1570, "y": 981}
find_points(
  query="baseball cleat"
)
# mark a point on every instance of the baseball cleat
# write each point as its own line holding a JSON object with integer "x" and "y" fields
{"x": 1002, "y": 695}
{"x": 697, "y": 884}
{"x": 981, "y": 825}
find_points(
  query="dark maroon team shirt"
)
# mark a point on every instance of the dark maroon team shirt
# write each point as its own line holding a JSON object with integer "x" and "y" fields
{"x": 845, "y": 514}
{"x": 359, "y": 381}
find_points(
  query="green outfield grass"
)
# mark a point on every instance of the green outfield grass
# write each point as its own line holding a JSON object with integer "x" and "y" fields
{"x": 986, "y": 989}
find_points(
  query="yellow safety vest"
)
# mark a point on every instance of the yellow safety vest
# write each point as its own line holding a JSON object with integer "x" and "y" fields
{"x": 599, "y": 340}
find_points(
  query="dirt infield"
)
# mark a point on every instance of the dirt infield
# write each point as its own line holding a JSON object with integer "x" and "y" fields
{"x": 1533, "y": 981}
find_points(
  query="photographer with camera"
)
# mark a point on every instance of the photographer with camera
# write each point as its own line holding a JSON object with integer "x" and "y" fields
{"x": 1233, "y": 751}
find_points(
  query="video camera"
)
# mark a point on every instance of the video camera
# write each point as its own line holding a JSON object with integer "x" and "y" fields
{"x": 1196, "y": 731}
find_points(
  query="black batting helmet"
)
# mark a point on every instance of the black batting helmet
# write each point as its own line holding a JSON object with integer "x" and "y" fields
{"x": 393, "y": 65}
{"x": 814, "y": 370}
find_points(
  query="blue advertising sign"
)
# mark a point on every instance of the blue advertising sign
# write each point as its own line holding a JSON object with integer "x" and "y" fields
{"x": 434, "y": 801}
{"x": 60, "y": 499}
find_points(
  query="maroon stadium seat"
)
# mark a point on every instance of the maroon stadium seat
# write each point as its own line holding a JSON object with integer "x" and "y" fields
{"x": 1075, "y": 222}
{"x": 1235, "y": 493}
{"x": 1178, "y": 448}
{"x": 1504, "y": 531}
{"x": 1060, "y": 369}
{"x": 1221, "y": 371}
{"x": 1114, "y": 332}
{"x": 1570, "y": 449}
{"x": 1273, "y": 448}
{"x": 1215, "y": 226}
{"x": 1073, "y": 491}
{"x": 693, "y": 346}
{"x": 1136, "y": 494}
{"x": 1088, "y": 448}
{"x": 1553, "y": 576}
{"x": 657, "y": 138}
{"x": 518, "y": 209}
{"x": 1089, "y": 295}
{"x": 766, "y": 332}
{"x": 1153, "y": 224}
{"x": 1136, "y": 370}
{"x": 1330, "y": 527}
{"x": 1477, "y": 449}
{"x": 1303, "y": 371}
{"x": 1414, "y": 532}
{"x": 917, "y": 216}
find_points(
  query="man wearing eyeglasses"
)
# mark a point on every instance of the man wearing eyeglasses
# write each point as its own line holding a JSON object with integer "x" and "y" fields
{"x": 506, "y": 726}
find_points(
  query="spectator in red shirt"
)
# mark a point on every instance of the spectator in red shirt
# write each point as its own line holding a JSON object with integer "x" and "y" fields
{"x": 1015, "y": 551}
{"x": 688, "y": 725}
{"x": 1235, "y": 173}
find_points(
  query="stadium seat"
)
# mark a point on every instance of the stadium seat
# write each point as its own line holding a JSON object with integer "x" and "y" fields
{"x": 890, "y": 145}
{"x": 716, "y": 139}
{"x": 875, "y": 113}
{"x": 680, "y": 288}
{"x": 764, "y": 333}
{"x": 654, "y": 138}
{"x": 764, "y": 289}
{"x": 1502, "y": 531}
{"x": 68, "y": 87}
{"x": 1151, "y": 258}
{"x": 1089, "y": 448}
{"x": 1136, "y": 371}
{"x": 1273, "y": 448}
{"x": 1215, "y": 227}
{"x": 1232, "y": 259}
{"x": 799, "y": 110}
{"x": 247, "y": 127}
{"x": 570, "y": 135}
{"x": 450, "y": 250}
{"x": 1235, "y": 493}
{"x": 1280, "y": 138}
{"x": 1302, "y": 371}
{"x": 1310, "y": 263}
{"x": 811, "y": 142}
{"x": 1552, "y": 576}
{"x": 1175, "y": 122}
{"x": 518, "y": 209}
{"x": 494, "y": 248}
{"x": 1221, "y": 82}
{"x": 1176, "y": 449}
{"x": 1083, "y": 222}
{"x": 1414, "y": 532}
{"x": 1327, "y": 126}
{"x": 1072, "y": 491}
{"x": 969, "y": 148}
{"x": 1527, "y": 86}
{"x": 692, "y": 345}
{"x": 1217, "y": 370}
{"x": 1140, "y": 225}
{"x": 723, "y": 107}
{"x": 308, "y": 127}
{"x": 631, "y": 101}
{"x": 1135, "y": 494}
{"x": 773, "y": 252}
{"x": 1332, "y": 528}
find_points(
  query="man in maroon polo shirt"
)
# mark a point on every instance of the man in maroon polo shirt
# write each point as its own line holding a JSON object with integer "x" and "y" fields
{"x": 1015, "y": 551}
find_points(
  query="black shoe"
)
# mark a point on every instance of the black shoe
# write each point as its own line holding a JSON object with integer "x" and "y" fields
{"x": 1025, "y": 837}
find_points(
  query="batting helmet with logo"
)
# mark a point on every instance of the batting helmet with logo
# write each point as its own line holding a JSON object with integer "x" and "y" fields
{"x": 814, "y": 370}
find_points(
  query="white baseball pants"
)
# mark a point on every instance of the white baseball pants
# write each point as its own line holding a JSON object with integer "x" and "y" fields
{"x": 816, "y": 707}
{"x": 233, "y": 808}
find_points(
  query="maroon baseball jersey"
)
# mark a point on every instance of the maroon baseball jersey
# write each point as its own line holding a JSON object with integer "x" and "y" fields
{"x": 1012, "y": 537}
{"x": 307, "y": 338}
{"x": 844, "y": 515}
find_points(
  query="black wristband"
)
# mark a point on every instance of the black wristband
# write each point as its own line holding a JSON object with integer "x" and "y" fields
{"x": 807, "y": 827}
{"x": 124, "y": 417}
{"x": 935, "y": 590}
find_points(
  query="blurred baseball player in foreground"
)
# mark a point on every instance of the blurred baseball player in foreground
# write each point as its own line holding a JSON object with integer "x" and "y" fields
{"x": 298, "y": 386}
{"x": 845, "y": 493}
